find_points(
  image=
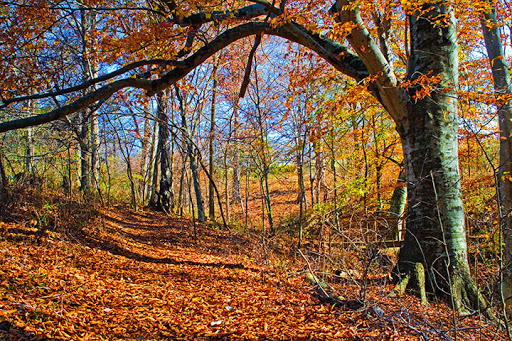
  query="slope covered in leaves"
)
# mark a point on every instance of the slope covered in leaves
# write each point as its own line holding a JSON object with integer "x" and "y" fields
{"x": 141, "y": 275}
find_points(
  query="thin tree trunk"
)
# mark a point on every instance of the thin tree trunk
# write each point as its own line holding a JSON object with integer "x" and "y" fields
{"x": 502, "y": 86}
{"x": 335, "y": 176}
{"x": 246, "y": 196}
{"x": 366, "y": 170}
{"x": 29, "y": 156}
{"x": 29, "y": 153}
{"x": 85, "y": 152}
{"x": 397, "y": 206}
{"x": 226, "y": 184}
{"x": 268, "y": 200}
{"x": 146, "y": 150}
{"x": 95, "y": 155}
{"x": 4, "y": 182}
{"x": 181, "y": 192}
{"x": 300, "y": 171}
{"x": 236, "y": 154}
{"x": 155, "y": 161}
{"x": 191, "y": 156}
{"x": 211, "y": 199}
{"x": 311, "y": 174}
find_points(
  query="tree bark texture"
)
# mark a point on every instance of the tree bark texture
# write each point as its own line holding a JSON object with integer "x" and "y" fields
{"x": 435, "y": 235}
{"x": 165, "y": 200}
{"x": 397, "y": 206}
{"x": 502, "y": 86}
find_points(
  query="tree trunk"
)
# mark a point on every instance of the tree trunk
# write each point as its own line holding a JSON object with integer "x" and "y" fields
{"x": 85, "y": 152}
{"x": 165, "y": 194}
{"x": 147, "y": 151}
{"x": 299, "y": 161}
{"x": 95, "y": 153}
{"x": 397, "y": 206}
{"x": 435, "y": 239}
{"x": 4, "y": 183}
{"x": 155, "y": 163}
{"x": 236, "y": 154}
{"x": 197, "y": 187}
{"x": 191, "y": 156}
{"x": 226, "y": 184}
{"x": 29, "y": 157}
{"x": 320, "y": 173}
{"x": 95, "y": 139}
{"x": 502, "y": 86}
{"x": 211, "y": 189}
{"x": 86, "y": 139}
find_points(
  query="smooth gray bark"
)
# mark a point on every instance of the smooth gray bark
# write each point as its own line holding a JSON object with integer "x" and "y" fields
{"x": 427, "y": 124}
{"x": 502, "y": 86}
{"x": 435, "y": 235}
{"x": 397, "y": 206}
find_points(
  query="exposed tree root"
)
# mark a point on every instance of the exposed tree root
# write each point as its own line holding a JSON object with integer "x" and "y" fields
{"x": 461, "y": 289}
{"x": 415, "y": 279}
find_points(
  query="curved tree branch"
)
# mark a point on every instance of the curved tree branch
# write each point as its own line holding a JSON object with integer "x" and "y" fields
{"x": 334, "y": 53}
{"x": 81, "y": 103}
{"x": 248, "y": 67}
{"x": 389, "y": 94}
{"x": 247, "y": 12}
{"x": 93, "y": 81}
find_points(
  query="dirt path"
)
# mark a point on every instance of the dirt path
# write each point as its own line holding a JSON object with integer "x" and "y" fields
{"x": 143, "y": 276}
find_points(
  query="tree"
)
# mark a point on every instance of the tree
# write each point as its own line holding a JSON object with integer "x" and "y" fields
{"x": 503, "y": 88}
{"x": 211, "y": 144}
{"x": 164, "y": 199}
{"x": 424, "y": 106}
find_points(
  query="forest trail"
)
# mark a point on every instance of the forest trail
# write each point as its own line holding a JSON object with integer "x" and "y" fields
{"x": 144, "y": 276}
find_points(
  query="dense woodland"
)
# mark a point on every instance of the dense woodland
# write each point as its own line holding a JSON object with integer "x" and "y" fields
{"x": 350, "y": 157}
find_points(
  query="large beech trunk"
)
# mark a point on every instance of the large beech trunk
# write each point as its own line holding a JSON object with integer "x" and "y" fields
{"x": 434, "y": 253}
{"x": 435, "y": 235}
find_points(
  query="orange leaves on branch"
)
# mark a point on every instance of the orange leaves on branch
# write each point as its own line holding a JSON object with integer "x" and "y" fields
{"x": 341, "y": 30}
{"x": 422, "y": 86}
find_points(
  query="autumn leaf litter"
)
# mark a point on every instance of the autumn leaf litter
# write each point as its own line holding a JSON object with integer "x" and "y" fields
{"x": 142, "y": 275}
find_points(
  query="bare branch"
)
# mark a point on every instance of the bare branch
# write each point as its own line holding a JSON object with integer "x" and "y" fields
{"x": 91, "y": 82}
{"x": 81, "y": 103}
{"x": 248, "y": 12}
{"x": 270, "y": 7}
{"x": 248, "y": 67}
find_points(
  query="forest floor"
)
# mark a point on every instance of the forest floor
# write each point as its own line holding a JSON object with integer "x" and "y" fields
{"x": 122, "y": 274}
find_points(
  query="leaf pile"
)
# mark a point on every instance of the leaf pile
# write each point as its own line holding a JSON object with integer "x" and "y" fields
{"x": 142, "y": 275}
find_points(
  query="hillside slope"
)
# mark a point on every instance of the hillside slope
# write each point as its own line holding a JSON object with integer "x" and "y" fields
{"x": 141, "y": 275}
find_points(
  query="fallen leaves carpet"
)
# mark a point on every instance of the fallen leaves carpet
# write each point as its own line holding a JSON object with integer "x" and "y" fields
{"x": 144, "y": 276}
